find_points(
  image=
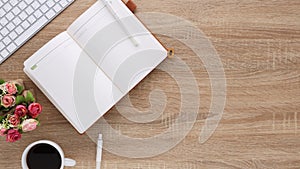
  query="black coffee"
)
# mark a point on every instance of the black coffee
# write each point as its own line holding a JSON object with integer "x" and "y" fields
{"x": 43, "y": 156}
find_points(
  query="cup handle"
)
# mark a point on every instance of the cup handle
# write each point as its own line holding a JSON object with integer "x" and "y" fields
{"x": 69, "y": 162}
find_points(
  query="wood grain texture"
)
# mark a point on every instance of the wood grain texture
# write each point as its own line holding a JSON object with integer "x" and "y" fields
{"x": 259, "y": 45}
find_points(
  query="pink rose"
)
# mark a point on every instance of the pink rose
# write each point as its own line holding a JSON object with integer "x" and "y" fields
{"x": 8, "y": 101}
{"x": 21, "y": 111}
{"x": 2, "y": 131}
{"x": 29, "y": 125}
{"x": 14, "y": 120}
{"x": 34, "y": 109}
{"x": 13, "y": 135}
{"x": 11, "y": 88}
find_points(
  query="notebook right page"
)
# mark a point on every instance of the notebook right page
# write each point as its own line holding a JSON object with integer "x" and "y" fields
{"x": 118, "y": 43}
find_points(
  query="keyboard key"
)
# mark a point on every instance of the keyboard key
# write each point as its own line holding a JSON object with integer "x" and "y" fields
{"x": 50, "y": 14}
{"x": 57, "y": 8}
{"x": 22, "y": 5}
{"x": 7, "y": 7}
{"x": 17, "y": 21}
{"x": 11, "y": 47}
{"x": 63, "y": 3}
{"x": 13, "y": 35}
{"x": 19, "y": 30}
{"x": 10, "y": 26}
{"x": 35, "y": 5}
{"x": 4, "y": 31}
{"x": 31, "y": 19}
{"x": 50, "y": 3}
{"x": 16, "y": 10}
{"x": 3, "y": 21}
{"x": 37, "y": 14}
{"x": 4, "y": 53}
{"x": 6, "y": 40}
{"x": 32, "y": 28}
{"x": 10, "y": 16}
{"x": 44, "y": 8}
{"x": 23, "y": 15}
{"x": 29, "y": 10}
{"x": 25, "y": 24}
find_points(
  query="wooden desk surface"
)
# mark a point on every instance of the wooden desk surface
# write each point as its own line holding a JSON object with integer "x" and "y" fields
{"x": 259, "y": 45}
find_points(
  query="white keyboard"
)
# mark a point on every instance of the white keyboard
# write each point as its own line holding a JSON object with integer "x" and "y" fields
{"x": 22, "y": 19}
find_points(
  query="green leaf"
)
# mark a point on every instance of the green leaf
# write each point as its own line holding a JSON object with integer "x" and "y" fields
{"x": 20, "y": 130}
{"x": 39, "y": 123}
{"x": 20, "y": 127}
{"x": 20, "y": 88}
{"x": 2, "y": 81}
{"x": 5, "y": 109}
{"x": 1, "y": 118}
{"x": 20, "y": 99}
{"x": 24, "y": 118}
{"x": 29, "y": 97}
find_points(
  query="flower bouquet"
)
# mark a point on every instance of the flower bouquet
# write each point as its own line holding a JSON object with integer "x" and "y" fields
{"x": 18, "y": 110}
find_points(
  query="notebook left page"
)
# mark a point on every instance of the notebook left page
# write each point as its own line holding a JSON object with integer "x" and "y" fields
{"x": 72, "y": 81}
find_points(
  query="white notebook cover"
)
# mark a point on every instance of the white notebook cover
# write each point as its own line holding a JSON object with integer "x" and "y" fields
{"x": 87, "y": 69}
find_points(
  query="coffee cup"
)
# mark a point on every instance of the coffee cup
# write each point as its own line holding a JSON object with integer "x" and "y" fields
{"x": 45, "y": 154}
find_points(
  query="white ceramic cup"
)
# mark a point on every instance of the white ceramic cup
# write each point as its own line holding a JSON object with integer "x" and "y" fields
{"x": 64, "y": 161}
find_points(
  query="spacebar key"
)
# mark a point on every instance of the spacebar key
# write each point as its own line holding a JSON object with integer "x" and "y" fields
{"x": 31, "y": 30}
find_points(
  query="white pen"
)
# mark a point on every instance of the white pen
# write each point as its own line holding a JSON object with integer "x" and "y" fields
{"x": 112, "y": 11}
{"x": 99, "y": 151}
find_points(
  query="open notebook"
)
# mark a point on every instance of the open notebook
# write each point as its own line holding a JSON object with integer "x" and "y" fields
{"x": 87, "y": 69}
